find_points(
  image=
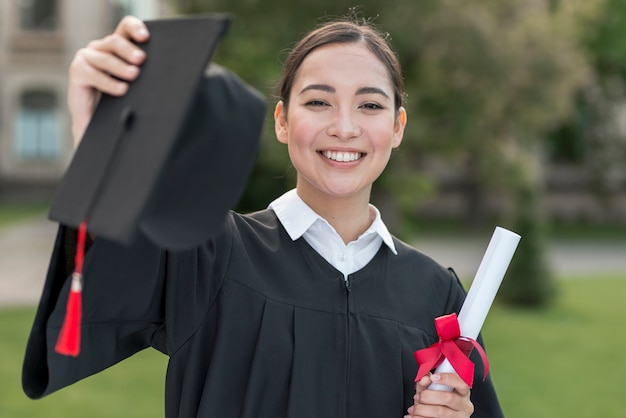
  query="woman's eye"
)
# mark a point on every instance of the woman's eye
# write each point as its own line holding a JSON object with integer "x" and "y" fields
{"x": 316, "y": 103}
{"x": 371, "y": 106}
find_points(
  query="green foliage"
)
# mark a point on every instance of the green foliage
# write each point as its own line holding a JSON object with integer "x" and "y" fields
{"x": 606, "y": 41}
{"x": 483, "y": 78}
{"x": 593, "y": 137}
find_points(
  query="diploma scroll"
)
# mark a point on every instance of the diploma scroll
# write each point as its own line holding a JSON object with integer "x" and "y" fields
{"x": 483, "y": 290}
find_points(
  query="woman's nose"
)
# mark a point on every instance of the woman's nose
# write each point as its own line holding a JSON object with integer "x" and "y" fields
{"x": 344, "y": 126}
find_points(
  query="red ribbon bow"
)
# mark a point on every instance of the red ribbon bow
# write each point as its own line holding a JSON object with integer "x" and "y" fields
{"x": 453, "y": 347}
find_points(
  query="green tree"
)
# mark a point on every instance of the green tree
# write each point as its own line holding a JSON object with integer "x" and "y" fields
{"x": 594, "y": 138}
{"x": 483, "y": 77}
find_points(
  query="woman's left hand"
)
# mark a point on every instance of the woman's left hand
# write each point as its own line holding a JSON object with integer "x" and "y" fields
{"x": 441, "y": 404}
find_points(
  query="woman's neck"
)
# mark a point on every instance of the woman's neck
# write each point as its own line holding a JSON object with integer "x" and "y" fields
{"x": 349, "y": 216}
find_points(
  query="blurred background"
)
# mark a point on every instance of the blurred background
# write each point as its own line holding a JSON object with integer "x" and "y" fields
{"x": 517, "y": 118}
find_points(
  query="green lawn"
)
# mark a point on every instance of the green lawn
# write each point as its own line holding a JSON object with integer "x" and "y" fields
{"x": 563, "y": 362}
{"x": 11, "y": 213}
{"x": 567, "y": 361}
{"x": 132, "y": 389}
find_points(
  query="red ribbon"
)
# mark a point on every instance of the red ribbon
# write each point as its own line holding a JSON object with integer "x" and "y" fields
{"x": 453, "y": 347}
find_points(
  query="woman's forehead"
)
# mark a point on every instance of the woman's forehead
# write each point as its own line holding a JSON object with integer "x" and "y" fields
{"x": 342, "y": 64}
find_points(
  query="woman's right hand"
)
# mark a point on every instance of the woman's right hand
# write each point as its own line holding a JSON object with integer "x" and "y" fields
{"x": 105, "y": 65}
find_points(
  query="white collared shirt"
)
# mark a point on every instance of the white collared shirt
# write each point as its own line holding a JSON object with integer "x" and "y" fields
{"x": 299, "y": 220}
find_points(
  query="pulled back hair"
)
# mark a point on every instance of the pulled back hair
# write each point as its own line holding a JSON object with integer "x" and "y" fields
{"x": 348, "y": 30}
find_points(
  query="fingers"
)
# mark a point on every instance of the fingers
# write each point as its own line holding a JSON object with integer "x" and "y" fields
{"x": 122, "y": 42}
{"x": 102, "y": 71}
{"x": 434, "y": 403}
{"x": 451, "y": 380}
{"x": 120, "y": 47}
{"x": 132, "y": 28}
{"x": 106, "y": 65}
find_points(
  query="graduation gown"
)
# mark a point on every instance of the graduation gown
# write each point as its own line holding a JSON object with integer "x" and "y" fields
{"x": 254, "y": 324}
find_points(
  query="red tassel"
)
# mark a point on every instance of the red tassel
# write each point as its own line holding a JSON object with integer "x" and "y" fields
{"x": 68, "y": 343}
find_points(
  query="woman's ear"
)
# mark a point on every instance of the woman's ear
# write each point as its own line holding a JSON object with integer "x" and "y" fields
{"x": 280, "y": 122}
{"x": 398, "y": 130}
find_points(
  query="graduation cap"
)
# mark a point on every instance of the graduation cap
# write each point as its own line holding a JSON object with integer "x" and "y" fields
{"x": 166, "y": 160}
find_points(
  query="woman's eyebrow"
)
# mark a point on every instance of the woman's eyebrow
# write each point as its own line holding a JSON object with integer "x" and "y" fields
{"x": 329, "y": 89}
{"x": 322, "y": 87}
{"x": 372, "y": 90}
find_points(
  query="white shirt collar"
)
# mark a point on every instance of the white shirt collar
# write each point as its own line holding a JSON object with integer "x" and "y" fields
{"x": 297, "y": 217}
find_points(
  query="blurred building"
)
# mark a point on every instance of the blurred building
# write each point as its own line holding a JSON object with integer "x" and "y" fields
{"x": 38, "y": 39}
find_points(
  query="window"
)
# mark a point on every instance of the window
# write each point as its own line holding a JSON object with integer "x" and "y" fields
{"x": 36, "y": 25}
{"x": 38, "y": 15}
{"x": 38, "y": 128}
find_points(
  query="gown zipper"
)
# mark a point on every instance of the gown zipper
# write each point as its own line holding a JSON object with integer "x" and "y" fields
{"x": 348, "y": 286}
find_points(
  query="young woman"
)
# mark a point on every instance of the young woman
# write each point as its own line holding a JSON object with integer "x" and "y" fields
{"x": 309, "y": 308}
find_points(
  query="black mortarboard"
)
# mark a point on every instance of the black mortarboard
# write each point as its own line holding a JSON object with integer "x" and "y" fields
{"x": 170, "y": 157}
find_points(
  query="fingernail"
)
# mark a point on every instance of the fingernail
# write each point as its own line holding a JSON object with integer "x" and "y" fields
{"x": 143, "y": 32}
{"x": 435, "y": 378}
{"x": 132, "y": 71}
{"x": 138, "y": 54}
{"x": 120, "y": 88}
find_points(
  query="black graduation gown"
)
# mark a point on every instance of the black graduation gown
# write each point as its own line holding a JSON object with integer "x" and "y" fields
{"x": 255, "y": 325}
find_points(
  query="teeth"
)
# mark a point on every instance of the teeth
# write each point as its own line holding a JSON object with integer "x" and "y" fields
{"x": 342, "y": 156}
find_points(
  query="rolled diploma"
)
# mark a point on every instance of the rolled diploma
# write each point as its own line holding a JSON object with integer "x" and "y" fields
{"x": 483, "y": 290}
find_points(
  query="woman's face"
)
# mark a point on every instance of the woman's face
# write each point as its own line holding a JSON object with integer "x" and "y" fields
{"x": 341, "y": 125}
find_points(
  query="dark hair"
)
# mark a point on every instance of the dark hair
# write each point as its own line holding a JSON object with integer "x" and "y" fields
{"x": 343, "y": 31}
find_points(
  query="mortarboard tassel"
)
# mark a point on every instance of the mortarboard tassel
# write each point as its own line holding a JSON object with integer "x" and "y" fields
{"x": 68, "y": 342}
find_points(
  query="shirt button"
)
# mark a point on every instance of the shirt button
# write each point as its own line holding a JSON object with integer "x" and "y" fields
{"x": 343, "y": 257}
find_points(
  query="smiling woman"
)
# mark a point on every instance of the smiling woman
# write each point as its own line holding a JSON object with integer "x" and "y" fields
{"x": 340, "y": 125}
{"x": 308, "y": 308}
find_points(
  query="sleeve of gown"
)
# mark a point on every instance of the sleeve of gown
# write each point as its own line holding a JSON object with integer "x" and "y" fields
{"x": 483, "y": 394}
{"x": 129, "y": 303}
